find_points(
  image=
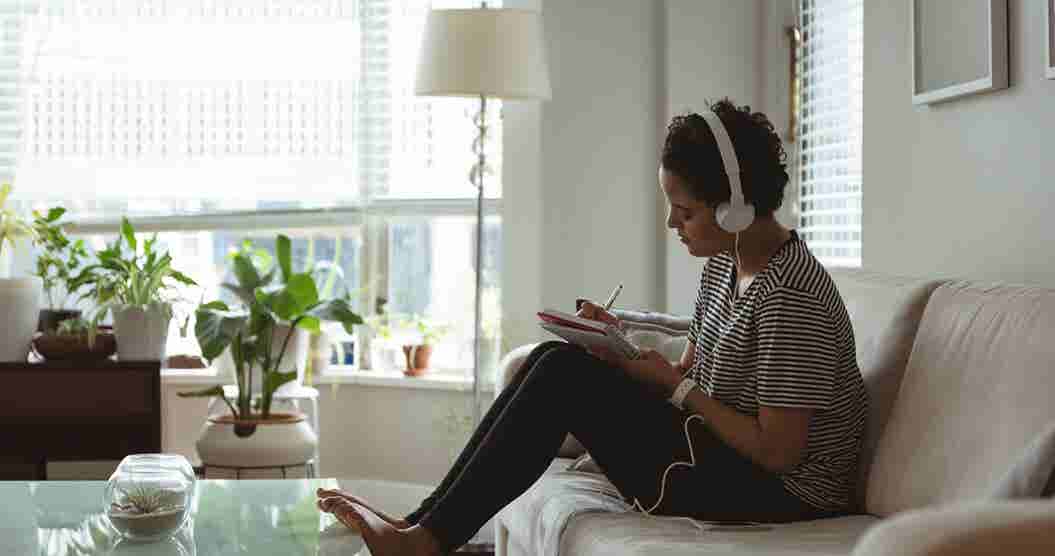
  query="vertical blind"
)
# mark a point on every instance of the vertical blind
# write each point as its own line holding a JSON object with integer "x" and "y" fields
{"x": 830, "y": 123}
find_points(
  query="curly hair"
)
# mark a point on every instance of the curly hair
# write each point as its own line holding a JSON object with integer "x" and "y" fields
{"x": 691, "y": 153}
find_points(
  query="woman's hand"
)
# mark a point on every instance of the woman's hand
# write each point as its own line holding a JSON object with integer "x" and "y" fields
{"x": 652, "y": 369}
{"x": 593, "y": 311}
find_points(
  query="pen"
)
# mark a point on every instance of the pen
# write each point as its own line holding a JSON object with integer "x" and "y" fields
{"x": 611, "y": 298}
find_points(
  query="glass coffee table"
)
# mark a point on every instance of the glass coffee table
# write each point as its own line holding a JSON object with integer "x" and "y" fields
{"x": 229, "y": 518}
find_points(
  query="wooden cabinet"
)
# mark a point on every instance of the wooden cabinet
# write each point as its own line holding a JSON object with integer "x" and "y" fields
{"x": 78, "y": 411}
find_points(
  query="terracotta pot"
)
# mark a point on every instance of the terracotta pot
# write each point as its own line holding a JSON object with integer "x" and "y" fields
{"x": 417, "y": 359}
{"x": 53, "y": 347}
{"x": 283, "y": 439}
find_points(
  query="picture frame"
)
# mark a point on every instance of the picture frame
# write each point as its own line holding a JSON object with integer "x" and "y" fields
{"x": 948, "y": 58}
{"x": 1049, "y": 40}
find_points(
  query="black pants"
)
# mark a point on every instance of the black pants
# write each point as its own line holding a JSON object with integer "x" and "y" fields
{"x": 631, "y": 434}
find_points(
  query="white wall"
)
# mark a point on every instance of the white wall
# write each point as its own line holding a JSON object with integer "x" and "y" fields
{"x": 398, "y": 434}
{"x": 965, "y": 188}
{"x": 712, "y": 51}
{"x": 599, "y": 152}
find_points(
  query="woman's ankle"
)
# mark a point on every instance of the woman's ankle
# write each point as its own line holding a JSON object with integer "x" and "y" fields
{"x": 425, "y": 540}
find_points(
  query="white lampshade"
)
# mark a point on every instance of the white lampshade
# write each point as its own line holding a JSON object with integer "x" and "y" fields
{"x": 498, "y": 53}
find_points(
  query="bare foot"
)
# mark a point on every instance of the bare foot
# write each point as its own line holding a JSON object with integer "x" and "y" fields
{"x": 324, "y": 493}
{"x": 382, "y": 538}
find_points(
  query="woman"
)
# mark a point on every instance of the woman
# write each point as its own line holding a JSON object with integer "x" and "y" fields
{"x": 770, "y": 367}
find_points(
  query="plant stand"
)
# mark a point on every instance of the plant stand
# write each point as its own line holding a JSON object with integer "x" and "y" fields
{"x": 292, "y": 397}
{"x": 311, "y": 470}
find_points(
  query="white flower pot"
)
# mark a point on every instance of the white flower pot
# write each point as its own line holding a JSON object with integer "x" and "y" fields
{"x": 141, "y": 333}
{"x": 296, "y": 357}
{"x": 20, "y": 300}
{"x": 286, "y": 440}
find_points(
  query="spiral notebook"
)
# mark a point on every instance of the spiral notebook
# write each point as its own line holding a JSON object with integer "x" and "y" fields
{"x": 587, "y": 333}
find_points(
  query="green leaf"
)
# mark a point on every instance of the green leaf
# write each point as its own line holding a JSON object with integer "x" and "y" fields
{"x": 337, "y": 310}
{"x": 204, "y": 393}
{"x": 275, "y": 379}
{"x": 290, "y": 300}
{"x": 55, "y": 213}
{"x": 182, "y": 278}
{"x": 245, "y": 272}
{"x": 283, "y": 250}
{"x": 216, "y": 327}
{"x": 128, "y": 233}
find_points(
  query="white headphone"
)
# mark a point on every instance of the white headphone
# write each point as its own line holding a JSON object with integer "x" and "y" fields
{"x": 734, "y": 216}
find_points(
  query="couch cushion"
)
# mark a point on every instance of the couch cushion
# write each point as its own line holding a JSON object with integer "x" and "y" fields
{"x": 532, "y": 519}
{"x": 605, "y": 534}
{"x": 1033, "y": 473}
{"x": 976, "y": 391}
{"x": 885, "y": 311}
{"x": 664, "y": 333}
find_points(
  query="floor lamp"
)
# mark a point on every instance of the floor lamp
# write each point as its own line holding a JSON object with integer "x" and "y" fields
{"x": 482, "y": 53}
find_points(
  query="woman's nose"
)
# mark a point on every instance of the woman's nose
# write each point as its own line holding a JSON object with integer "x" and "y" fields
{"x": 670, "y": 219}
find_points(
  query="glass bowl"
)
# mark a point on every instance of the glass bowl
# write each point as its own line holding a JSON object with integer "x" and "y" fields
{"x": 149, "y": 496}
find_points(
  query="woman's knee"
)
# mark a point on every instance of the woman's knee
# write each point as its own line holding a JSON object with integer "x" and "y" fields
{"x": 566, "y": 364}
{"x": 544, "y": 347}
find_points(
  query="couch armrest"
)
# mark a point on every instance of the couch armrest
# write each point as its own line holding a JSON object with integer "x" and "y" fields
{"x": 510, "y": 365}
{"x": 973, "y": 529}
{"x": 508, "y": 368}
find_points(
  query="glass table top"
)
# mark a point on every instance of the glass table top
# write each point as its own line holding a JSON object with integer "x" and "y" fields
{"x": 228, "y": 518}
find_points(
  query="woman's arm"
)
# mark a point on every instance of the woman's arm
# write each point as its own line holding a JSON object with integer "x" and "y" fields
{"x": 776, "y": 439}
{"x": 688, "y": 357}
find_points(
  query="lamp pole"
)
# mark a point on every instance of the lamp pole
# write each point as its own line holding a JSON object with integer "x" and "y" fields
{"x": 477, "y": 177}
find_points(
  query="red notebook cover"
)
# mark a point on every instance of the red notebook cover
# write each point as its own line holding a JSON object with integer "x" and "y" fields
{"x": 570, "y": 324}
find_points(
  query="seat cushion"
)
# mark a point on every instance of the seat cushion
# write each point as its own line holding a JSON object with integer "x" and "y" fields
{"x": 602, "y": 534}
{"x": 533, "y": 520}
{"x": 977, "y": 390}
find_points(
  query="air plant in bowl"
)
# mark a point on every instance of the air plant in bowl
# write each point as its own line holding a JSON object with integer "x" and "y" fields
{"x": 144, "y": 512}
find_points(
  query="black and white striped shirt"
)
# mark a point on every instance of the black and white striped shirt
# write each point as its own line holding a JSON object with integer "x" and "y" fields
{"x": 787, "y": 342}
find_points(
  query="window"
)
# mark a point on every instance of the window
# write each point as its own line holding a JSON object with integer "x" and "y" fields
{"x": 210, "y": 121}
{"x": 830, "y": 129}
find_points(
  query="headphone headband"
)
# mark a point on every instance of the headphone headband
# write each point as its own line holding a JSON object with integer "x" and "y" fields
{"x": 730, "y": 163}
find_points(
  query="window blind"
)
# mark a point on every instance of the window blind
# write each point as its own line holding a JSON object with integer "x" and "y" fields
{"x": 13, "y": 78}
{"x": 830, "y": 123}
{"x": 160, "y": 107}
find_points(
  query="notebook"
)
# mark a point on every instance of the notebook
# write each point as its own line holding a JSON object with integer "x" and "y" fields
{"x": 587, "y": 333}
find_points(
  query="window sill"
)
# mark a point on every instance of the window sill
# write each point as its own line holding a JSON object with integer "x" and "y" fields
{"x": 378, "y": 379}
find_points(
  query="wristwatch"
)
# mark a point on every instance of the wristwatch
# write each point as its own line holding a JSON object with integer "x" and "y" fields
{"x": 677, "y": 399}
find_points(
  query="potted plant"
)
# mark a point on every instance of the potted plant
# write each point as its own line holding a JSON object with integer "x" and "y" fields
{"x": 275, "y": 300}
{"x": 57, "y": 267}
{"x": 74, "y": 339}
{"x": 19, "y": 297}
{"x": 137, "y": 284}
{"x": 419, "y": 354}
{"x": 248, "y": 263}
{"x": 389, "y": 332}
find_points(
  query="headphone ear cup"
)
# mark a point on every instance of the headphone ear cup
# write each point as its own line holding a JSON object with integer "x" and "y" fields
{"x": 734, "y": 220}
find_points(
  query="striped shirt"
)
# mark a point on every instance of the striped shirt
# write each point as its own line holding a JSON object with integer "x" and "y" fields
{"x": 786, "y": 342}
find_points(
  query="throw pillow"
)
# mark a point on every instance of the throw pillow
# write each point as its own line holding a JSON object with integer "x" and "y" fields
{"x": 1033, "y": 474}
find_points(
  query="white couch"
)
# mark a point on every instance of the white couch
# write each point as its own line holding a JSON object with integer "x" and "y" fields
{"x": 961, "y": 378}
